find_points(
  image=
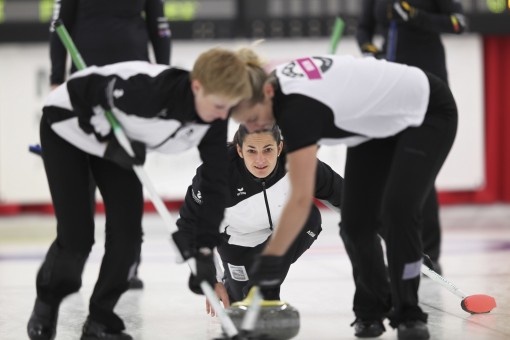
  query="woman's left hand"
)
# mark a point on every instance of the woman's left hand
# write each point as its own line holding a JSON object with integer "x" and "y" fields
{"x": 222, "y": 294}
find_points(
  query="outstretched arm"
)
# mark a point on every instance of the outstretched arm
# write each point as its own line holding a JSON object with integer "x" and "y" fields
{"x": 328, "y": 185}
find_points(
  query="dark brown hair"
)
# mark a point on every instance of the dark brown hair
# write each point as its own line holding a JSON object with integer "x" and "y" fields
{"x": 242, "y": 132}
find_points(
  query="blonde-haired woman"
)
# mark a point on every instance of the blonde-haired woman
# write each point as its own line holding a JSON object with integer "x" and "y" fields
{"x": 160, "y": 109}
{"x": 399, "y": 124}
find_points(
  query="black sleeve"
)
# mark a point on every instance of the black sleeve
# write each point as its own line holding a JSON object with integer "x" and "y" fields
{"x": 450, "y": 19}
{"x": 213, "y": 184}
{"x": 159, "y": 31}
{"x": 301, "y": 120}
{"x": 190, "y": 209}
{"x": 366, "y": 24}
{"x": 141, "y": 94}
{"x": 328, "y": 184}
{"x": 85, "y": 93}
{"x": 64, "y": 10}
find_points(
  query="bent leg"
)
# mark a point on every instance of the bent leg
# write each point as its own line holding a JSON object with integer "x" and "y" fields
{"x": 123, "y": 198}
{"x": 365, "y": 175}
{"x": 418, "y": 158}
{"x": 237, "y": 261}
{"x": 67, "y": 171}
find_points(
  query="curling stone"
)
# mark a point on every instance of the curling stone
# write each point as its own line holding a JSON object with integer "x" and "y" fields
{"x": 277, "y": 319}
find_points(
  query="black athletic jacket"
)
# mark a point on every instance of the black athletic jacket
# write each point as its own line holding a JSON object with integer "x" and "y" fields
{"x": 109, "y": 31}
{"x": 418, "y": 40}
{"x": 154, "y": 105}
{"x": 254, "y": 205}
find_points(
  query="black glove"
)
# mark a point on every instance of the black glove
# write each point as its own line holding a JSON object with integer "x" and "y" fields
{"x": 402, "y": 11}
{"x": 183, "y": 242}
{"x": 369, "y": 49}
{"x": 116, "y": 153}
{"x": 204, "y": 259}
{"x": 206, "y": 271}
{"x": 268, "y": 271}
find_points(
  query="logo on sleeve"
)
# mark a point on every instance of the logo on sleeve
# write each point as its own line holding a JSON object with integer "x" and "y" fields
{"x": 117, "y": 93}
{"x": 196, "y": 197}
{"x": 311, "y": 68}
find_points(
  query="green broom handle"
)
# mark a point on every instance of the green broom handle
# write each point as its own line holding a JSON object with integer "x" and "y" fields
{"x": 336, "y": 35}
{"x": 80, "y": 65}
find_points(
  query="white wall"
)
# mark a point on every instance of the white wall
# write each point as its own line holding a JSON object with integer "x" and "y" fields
{"x": 24, "y": 84}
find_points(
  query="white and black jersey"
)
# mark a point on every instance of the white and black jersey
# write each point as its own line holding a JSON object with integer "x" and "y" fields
{"x": 254, "y": 205}
{"x": 335, "y": 89}
{"x": 154, "y": 105}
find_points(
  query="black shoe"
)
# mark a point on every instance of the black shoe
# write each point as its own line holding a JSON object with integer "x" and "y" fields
{"x": 413, "y": 330}
{"x": 135, "y": 283}
{"x": 43, "y": 322}
{"x": 93, "y": 330}
{"x": 368, "y": 328}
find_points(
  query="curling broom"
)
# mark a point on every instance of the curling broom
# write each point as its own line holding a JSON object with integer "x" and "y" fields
{"x": 474, "y": 304}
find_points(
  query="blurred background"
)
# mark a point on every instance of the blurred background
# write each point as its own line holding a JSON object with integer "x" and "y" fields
{"x": 477, "y": 170}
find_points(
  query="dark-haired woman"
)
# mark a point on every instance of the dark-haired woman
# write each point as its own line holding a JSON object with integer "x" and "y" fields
{"x": 258, "y": 189}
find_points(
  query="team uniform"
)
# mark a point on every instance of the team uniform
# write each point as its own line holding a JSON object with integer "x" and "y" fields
{"x": 417, "y": 43}
{"x": 155, "y": 106}
{"x": 254, "y": 206}
{"x": 108, "y": 32}
{"x": 399, "y": 124}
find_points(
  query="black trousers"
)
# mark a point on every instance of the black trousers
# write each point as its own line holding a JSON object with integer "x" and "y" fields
{"x": 431, "y": 233}
{"x": 386, "y": 185}
{"x": 68, "y": 172}
{"x": 236, "y": 280}
{"x": 92, "y": 193}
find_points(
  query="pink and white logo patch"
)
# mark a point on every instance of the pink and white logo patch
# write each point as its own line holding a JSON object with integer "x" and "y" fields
{"x": 312, "y": 67}
{"x": 309, "y": 68}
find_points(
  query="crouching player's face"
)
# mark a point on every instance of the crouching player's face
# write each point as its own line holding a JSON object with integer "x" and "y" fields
{"x": 260, "y": 152}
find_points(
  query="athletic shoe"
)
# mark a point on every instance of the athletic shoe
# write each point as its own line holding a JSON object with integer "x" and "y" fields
{"x": 135, "y": 283}
{"x": 93, "y": 330}
{"x": 43, "y": 321}
{"x": 413, "y": 330}
{"x": 368, "y": 328}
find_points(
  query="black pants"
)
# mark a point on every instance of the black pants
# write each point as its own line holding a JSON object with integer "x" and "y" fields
{"x": 92, "y": 193}
{"x": 237, "y": 260}
{"x": 386, "y": 184}
{"x": 68, "y": 173}
{"x": 431, "y": 233}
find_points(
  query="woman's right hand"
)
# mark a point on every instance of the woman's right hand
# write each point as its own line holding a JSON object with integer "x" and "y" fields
{"x": 221, "y": 293}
